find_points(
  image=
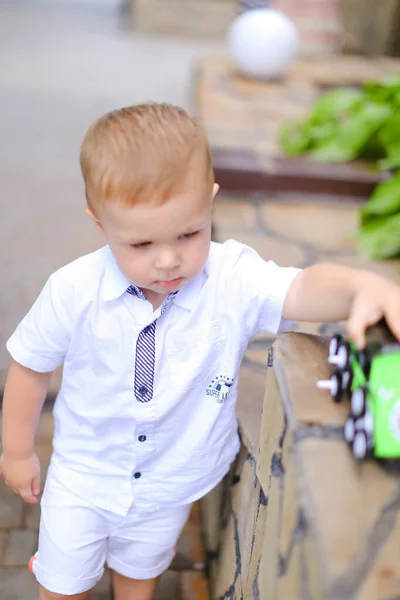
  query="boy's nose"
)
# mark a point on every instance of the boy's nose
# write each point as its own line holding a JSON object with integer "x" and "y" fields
{"x": 168, "y": 261}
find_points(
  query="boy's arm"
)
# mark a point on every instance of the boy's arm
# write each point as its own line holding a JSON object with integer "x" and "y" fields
{"x": 24, "y": 395}
{"x": 336, "y": 293}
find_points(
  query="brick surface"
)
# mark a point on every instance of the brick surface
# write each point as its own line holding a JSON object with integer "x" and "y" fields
{"x": 102, "y": 591}
{"x": 3, "y": 544}
{"x": 11, "y": 512}
{"x": 32, "y": 516}
{"x": 194, "y": 586}
{"x": 18, "y": 584}
{"x": 22, "y": 544}
{"x": 169, "y": 587}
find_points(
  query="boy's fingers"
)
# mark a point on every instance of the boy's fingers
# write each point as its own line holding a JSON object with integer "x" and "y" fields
{"x": 36, "y": 485}
{"x": 27, "y": 496}
{"x": 356, "y": 331}
{"x": 393, "y": 322}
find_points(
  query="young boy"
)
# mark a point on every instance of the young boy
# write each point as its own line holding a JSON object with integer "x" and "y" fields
{"x": 151, "y": 330}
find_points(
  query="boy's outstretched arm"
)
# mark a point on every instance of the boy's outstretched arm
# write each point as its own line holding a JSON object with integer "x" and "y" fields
{"x": 24, "y": 395}
{"x": 336, "y": 293}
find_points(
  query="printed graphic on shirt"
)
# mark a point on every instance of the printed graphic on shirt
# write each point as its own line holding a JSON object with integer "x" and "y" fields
{"x": 219, "y": 388}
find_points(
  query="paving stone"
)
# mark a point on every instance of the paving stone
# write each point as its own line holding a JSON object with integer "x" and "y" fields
{"x": 103, "y": 591}
{"x": 323, "y": 225}
{"x": 194, "y": 586}
{"x": 45, "y": 429}
{"x": 285, "y": 254}
{"x": 32, "y": 516}
{"x": 18, "y": 584}
{"x": 5, "y": 490}
{"x": 11, "y": 512}
{"x": 234, "y": 215}
{"x": 22, "y": 544}
{"x": 3, "y": 544}
{"x": 169, "y": 587}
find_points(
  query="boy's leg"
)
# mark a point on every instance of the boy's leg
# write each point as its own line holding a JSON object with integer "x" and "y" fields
{"x": 46, "y": 595}
{"x": 133, "y": 589}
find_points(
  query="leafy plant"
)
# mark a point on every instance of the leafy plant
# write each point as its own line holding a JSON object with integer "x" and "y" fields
{"x": 349, "y": 124}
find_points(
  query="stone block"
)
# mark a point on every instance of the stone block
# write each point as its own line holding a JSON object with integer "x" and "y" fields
{"x": 312, "y": 224}
{"x": 22, "y": 544}
{"x": 297, "y": 377}
{"x": 235, "y": 216}
{"x": 343, "y": 501}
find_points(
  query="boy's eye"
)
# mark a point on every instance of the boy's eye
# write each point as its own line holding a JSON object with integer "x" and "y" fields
{"x": 141, "y": 245}
{"x": 189, "y": 235}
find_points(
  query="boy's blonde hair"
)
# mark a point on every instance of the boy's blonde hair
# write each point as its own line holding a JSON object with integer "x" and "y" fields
{"x": 142, "y": 154}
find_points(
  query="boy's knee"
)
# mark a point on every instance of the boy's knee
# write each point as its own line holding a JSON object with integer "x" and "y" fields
{"x": 46, "y": 595}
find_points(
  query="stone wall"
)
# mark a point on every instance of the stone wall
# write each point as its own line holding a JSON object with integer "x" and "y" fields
{"x": 297, "y": 517}
{"x": 318, "y": 20}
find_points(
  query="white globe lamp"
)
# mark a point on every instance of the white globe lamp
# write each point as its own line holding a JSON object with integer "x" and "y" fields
{"x": 263, "y": 43}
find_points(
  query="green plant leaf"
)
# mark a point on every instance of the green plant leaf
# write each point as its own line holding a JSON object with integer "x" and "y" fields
{"x": 352, "y": 135}
{"x": 385, "y": 199}
{"x": 389, "y": 134}
{"x": 294, "y": 138}
{"x": 380, "y": 239}
{"x": 335, "y": 104}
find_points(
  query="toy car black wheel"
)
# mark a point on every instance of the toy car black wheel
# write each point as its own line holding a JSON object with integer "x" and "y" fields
{"x": 360, "y": 445}
{"x": 349, "y": 430}
{"x": 334, "y": 344}
{"x": 347, "y": 380}
{"x": 364, "y": 360}
{"x": 343, "y": 356}
{"x": 336, "y": 387}
{"x": 358, "y": 402}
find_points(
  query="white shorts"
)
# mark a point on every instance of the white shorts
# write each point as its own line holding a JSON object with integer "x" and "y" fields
{"x": 76, "y": 539}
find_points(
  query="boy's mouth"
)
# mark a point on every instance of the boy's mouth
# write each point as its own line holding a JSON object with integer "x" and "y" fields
{"x": 169, "y": 284}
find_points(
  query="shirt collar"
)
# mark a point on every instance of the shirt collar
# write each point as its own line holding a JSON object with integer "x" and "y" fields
{"x": 115, "y": 284}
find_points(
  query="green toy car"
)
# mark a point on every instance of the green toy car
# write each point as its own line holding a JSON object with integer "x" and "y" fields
{"x": 371, "y": 379}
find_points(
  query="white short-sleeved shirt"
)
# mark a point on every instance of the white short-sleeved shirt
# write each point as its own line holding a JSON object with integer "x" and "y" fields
{"x": 108, "y": 446}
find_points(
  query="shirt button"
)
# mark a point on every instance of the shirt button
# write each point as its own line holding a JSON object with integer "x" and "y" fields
{"x": 137, "y": 475}
{"x": 143, "y": 390}
{"x": 142, "y": 438}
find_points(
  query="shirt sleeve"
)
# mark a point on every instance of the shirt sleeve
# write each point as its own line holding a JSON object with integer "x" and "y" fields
{"x": 41, "y": 340}
{"x": 261, "y": 287}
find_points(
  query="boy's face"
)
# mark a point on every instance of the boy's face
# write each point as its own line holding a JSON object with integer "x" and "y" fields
{"x": 159, "y": 248}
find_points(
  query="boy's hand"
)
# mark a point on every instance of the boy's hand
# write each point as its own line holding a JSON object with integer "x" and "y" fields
{"x": 373, "y": 300}
{"x": 22, "y": 475}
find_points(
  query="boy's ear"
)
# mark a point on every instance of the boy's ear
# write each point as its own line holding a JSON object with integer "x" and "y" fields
{"x": 215, "y": 190}
{"x": 92, "y": 216}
